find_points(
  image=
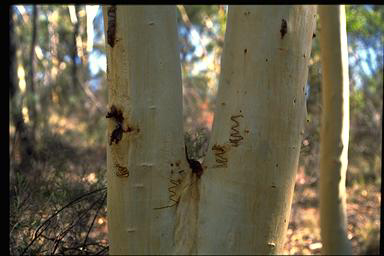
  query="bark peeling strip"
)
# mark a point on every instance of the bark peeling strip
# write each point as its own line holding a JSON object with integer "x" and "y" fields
{"x": 111, "y": 25}
{"x": 284, "y": 28}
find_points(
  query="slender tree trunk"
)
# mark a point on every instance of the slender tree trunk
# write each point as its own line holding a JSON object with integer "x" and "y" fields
{"x": 54, "y": 61}
{"x": 14, "y": 94}
{"x": 334, "y": 133}
{"x": 31, "y": 95}
{"x": 22, "y": 150}
{"x": 74, "y": 56}
{"x": 241, "y": 203}
{"x": 12, "y": 57}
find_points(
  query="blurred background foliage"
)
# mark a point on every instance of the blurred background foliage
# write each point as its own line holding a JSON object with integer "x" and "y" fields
{"x": 58, "y": 102}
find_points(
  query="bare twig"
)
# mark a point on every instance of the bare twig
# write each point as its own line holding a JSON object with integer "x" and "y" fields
{"x": 94, "y": 218}
{"x": 65, "y": 232}
{"x": 99, "y": 252}
{"x": 37, "y": 234}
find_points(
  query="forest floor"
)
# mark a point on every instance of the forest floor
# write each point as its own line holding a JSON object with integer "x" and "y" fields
{"x": 84, "y": 171}
{"x": 363, "y": 211}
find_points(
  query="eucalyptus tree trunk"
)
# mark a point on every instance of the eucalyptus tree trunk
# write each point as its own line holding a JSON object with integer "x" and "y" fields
{"x": 334, "y": 134}
{"x": 145, "y": 156}
{"x": 158, "y": 201}
{"x": 247, "y": 189}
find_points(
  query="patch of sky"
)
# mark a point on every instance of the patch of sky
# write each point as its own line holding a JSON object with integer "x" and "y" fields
{"x": 94, "y": 83}
{"x": 97, "y": 62}
{"x": 77, "y": 60}
{"x": 362, "y": 59}
{"x": 98, "y": 59}
{"x": 67, "y": 59}
{"x": 200, "y": 41}
{"x": 98, "y": 23}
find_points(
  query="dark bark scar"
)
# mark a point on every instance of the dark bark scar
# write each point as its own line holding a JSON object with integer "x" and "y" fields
{"x": 117, "y": 133}
{"x": 284, "y": 28}
{"x": 194, "y": 165}
{"x": 111, "y": 30}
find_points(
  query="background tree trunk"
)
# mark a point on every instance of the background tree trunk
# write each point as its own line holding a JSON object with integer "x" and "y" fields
{"x": 31, "y": 88}
{"x": 334, "y": 134}
{"x": 247, "y": 189}
{"x": 23, "y": 141}
{"x": 74, "y": 55}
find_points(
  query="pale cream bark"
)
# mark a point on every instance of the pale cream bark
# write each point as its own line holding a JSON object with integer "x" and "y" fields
{"x": 146, "y": 166}
{"x": 246, "y": 190}
{"x": 334, "y": 134}
{"x": 241, "y": 203}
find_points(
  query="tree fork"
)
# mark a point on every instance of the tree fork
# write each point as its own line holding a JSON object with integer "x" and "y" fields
{"x": 238, "y": 200}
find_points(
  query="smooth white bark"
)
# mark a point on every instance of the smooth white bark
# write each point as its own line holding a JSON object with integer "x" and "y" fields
{"x": 241, "y": 203}
{"x": 144, "y": 80}
{"x": 334, "y": 133}
{"x": 246, "y": 190}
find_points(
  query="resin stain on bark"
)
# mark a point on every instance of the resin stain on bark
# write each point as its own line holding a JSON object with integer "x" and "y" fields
{"x": 117, "y": 133}
{"x": 194, "y": 165}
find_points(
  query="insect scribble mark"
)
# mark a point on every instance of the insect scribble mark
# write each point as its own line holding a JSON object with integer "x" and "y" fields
{"x": 121, "y": 171}
{"x": 221, "y": 160}
{"x": 111, "y": 31}
{"x": 235, "y": 136}
{"x": 172, "y": 194}
{"x": 284, "y": 28}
